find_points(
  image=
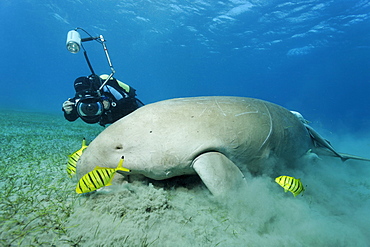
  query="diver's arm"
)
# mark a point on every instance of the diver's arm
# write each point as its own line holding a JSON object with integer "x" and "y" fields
{"x": 69, "y": 109}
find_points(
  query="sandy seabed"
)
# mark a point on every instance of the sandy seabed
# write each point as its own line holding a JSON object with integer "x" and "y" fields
{"x": 39, "y": 206}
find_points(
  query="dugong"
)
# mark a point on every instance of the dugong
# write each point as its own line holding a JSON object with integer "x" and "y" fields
{"x": 218, "y": 138}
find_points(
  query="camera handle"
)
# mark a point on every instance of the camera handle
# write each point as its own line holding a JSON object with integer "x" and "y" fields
{"x": 109, "y": 62}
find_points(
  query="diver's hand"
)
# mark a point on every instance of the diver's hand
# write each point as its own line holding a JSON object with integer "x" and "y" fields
{"x": 68, "y": 106}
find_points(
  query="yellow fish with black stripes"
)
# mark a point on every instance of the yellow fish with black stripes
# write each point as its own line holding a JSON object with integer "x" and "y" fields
{"x": 291, "y": 184}
{"x": 73, "y": 158}
{"x": 99, "y": 177}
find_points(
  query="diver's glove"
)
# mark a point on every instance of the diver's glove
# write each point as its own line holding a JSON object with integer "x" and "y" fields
{"x": 68, "y": 106}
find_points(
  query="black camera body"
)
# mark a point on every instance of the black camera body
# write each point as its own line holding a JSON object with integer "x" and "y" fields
{"x": 89, "y": 106}
{"x": 88, "y": 99}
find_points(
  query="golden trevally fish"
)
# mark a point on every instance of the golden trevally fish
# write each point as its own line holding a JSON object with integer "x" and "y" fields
{"x": 99, "y": 177}
{"x": 73, "y": 158}
{"x": 291, "y": 184}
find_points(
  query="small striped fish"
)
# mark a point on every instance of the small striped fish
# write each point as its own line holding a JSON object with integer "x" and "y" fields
{"x": 99, "y": 177}
{"x": 290, "y": 184}
{"x": 73, "y": 158}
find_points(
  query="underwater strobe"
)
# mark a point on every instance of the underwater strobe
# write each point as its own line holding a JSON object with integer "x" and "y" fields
{"x": 74, "y": 44}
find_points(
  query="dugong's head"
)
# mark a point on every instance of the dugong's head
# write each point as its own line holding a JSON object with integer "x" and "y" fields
{"x": 109, "y": 146}
{"x": 146, "y": 141}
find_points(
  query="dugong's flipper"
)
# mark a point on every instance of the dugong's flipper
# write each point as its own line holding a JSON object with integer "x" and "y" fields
{"x": 219, "y": 174}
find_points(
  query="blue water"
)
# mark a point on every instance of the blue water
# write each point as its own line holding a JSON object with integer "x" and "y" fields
{"x": 311, "y": 56}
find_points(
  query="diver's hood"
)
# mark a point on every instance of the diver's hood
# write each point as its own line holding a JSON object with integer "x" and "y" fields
{"x": 91, "y": 83}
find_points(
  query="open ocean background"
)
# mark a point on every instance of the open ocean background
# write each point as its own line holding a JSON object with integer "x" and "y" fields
{"x": 311, "y": 56}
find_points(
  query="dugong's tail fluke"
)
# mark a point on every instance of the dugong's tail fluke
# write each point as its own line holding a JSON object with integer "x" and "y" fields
{"x": 345, "y": 157}
{"x": 320, "y": 141}
{"x": 342, "y": 156}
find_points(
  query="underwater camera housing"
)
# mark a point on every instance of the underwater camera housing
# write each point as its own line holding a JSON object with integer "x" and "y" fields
{"x": 88, "y": 100}
{"x": 89, "y": 108}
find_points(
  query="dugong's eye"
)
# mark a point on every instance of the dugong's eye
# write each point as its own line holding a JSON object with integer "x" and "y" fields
{"x": 119, "y": 146}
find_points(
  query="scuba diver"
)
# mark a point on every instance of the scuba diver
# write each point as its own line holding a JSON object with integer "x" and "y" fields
{"x": 114, "y": 101}
{"x": 99, "y": 99}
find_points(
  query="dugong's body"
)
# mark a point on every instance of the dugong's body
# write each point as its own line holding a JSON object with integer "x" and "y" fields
{"x": 214, "y": 137}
